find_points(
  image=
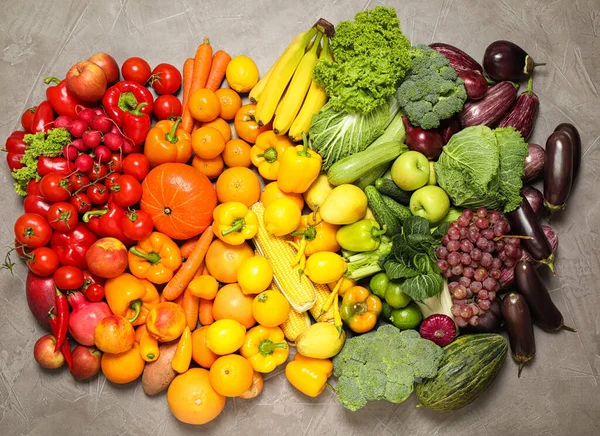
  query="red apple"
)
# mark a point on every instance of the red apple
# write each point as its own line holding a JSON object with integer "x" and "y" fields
{"x": 107, "y": 258}
{"x": 108, "y": 65}
{"x": 43, "y": 352}
{"x": 86, "y": 81}
{"x": 86, "y": 362}
{"x": 40, "y": 296}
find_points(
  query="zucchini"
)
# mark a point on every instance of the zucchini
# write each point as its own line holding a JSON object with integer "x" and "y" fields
{"x": 370, "y": 178}
{"x": 383, "y": 214}
{"x": 389, "y": 188}
{"x": 400, "y": 212}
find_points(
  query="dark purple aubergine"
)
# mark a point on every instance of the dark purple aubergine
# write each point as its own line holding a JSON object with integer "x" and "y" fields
{"x": 558, "y": 171}
{"x": 573, "y": 133}
{"x": 505, "y": 60}
{"x": 517, "y": 317}
{"x": 543, "y": 310}
{"x": 475, "y": 84}
{"x": 491, "y": 108}
{"x": 522, "y": 115}
{"x": 534, "y": 162}
{"x": 523, "y": 222}
{"x": 459, "y": 60}
{"x": 534, "y": 197}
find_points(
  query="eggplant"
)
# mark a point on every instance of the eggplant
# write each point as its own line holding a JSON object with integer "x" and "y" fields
{"x": 459, "y": 60}
{"x": 505, "y": 60}
{"x": 558, "y": 171}
{"x": 543, "y": 310}
{"x": 534, "y": 162}
{"x": 475, "y": 84}
{"x": 534, "y": 197}
{"x": 488, "y": 111}
{"x": 573, "y": 133}
{"x": 523, "y": 222}
{"x": 522, "y": 115}
{"x": 520, "y": 328}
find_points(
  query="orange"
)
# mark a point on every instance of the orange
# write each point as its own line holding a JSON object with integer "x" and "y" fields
{"x": 232, "y": 303}
{"x": 237, "y": 153}
{"x": 207, "y": 142}
{"x": 231, "y": 375}
{"x": 238, "y": 184}
{"x": 192, "y": 399}
{"x": 230, "y": 103}
{"x": 211, "y": 168}
{"x": 204, "y": 105}
{"x": 270, "y": 308}
{"x": 123, "y": 367}
{"x": 223, "y": 260}
{"x": 245, "y": 125}
{"x": 272, "y": 192}
{"x": 201, "y": 354}
{"x": 222, "y": 126}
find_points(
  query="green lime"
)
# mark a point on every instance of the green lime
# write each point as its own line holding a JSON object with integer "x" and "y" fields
{"x": 386, "y": 311}
{"x": 406, "y": 318}
{"x": 394, "y": 295}
{"x": 378, "y": 284}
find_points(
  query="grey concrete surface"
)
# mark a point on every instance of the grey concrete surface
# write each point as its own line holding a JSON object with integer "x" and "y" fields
{"x": 558, "y": 393}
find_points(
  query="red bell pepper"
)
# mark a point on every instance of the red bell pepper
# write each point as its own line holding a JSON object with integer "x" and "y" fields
{"x": 62, "y": 100}
{"x": 136, "y": 125}
{"x": 15, "y": 146}
{"x": 43, "y": 118}
{"x": 125, "y": 97}
{"x": 71, "y": 246}
{"x": 27, "y": 118}
{"x": 106, "y": 222}
{"x": 47, "y": 165}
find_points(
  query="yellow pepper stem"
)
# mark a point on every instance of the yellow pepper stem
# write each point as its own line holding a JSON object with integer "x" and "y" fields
{"x": 172, "y": 135}
{"x": 270, "y": 155}
{"x": 152, "y": 257}
{"x": 236, "y": 226}
{"x": 136, "y": 305}
{"x": 267, "y": 347}
{"x": 304, "y": 151}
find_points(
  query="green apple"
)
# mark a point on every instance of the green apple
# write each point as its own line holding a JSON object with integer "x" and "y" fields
{"x": 432, "y": 179}
{"x": 410, "y": 171}
{"x": 430, "y": 202}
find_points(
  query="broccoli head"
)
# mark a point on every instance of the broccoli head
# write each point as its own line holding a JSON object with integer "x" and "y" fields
{"x": 431, "y": 91}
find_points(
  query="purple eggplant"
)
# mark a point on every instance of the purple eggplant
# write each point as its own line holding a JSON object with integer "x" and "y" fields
{"x": 523, "y": 222}
{"x": 543, "y": 310}
{"x": 475, "y": 84}
{"x": 459, "y": 60}
{"x": 517, "y": 317}
{"x": 488, "y": 111}
{"x": 534, "y": 162}
{"x": 522, "y": 115}
{"x": 534, "y": 197}
{"x": 573, "y": 133}
{"x": 505, "y": 60}
{"x": 558, "y": 171}
{"x": 552, "y": 238}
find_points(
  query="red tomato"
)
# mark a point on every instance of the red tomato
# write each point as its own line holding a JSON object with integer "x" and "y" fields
{"x": 94, "y": 292}
{"x": 89, "y": 279}
{"x": 98, "y": 194}
{"x": 36, "y": 204}
{"x": 68, "y": 277}
{"x": 98, "y": 171}
{"x": 127, "y": 191}
{"x": 78, "y": 180}
{"x": 111, "y": 180}
{"x": 33, "y": 187}
{"x": 137, "y": 225}
{"x": 165, "y": 79}
{"x": 136, "y": 69}
{"x": 63, "y": 216}
{"x": 81, "y": 202}
{"x": 167, "y": 106}
{"x": 136, "y": 165}
{"x": 27, "y": 118}
{"x": 54, "y": 187}
{"x": 33, "y": 230}
{"x": 42, "y": 261}
{"x": 115, "y": 162}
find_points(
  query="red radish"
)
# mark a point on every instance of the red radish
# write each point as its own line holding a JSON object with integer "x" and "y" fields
{"x": 84, "y": 317}
{"x": 63, "y": 121}
{"x": 78, "y": 128}
{"x": 115, "y": 129}
{"x": 438, "y": 328}
{"x": 428, "y": 142}
{"x": 475, "y": 84}
{"x": 113, "y": 141}
{"x": 99, "y": 111}
{"x": 86, "y": 362}
{"x": 70, "y": 152}
{"x": 78, "y": 144}
{"x": 44, "y": 354}
{"x": 84, "y": 162}
{"x": 101, "y": 123}
{"x": 40, "y": 296}
{"x": 86, "y": 115}
{"x": 91, "y": 139}
{"x": 129, "y": 147}
{"x": 102, "y": 152}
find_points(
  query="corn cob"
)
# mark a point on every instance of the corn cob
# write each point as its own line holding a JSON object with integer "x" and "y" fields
{"x": 296, "y": 323}
{"x": 323, "y": 294}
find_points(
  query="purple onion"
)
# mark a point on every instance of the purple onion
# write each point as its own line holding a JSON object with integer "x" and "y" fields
{"x": 534, "y": 162}
{"x": 475, "y": 84}
{"x": 534, "y": 197}
{"x": 448, "y": 128}
{"x": 428, "y": 142}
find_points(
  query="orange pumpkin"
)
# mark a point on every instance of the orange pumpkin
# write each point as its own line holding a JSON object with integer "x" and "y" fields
{"x": 180, "y": 200}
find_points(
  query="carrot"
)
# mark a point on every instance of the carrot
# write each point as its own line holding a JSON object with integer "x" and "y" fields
{"x": 202, "y": 62}
{"x": 188, "y": 68}
{"x": 198, "y": 272}
{"x": 205, "y": 312}
{"x": 179, "y": 300}
{"x": 188, "y": 247}
{"x": 190, "y": 307}
{"x": 217, "y": 70}
{"x": 185, "y": 274}
{"x": 205, "y": 270}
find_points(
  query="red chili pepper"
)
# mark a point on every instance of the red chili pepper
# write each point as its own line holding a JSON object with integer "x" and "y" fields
{"x": 71, "y": 246}
{"x": 47, "y": 165}
{"x": 43, "y": 119}
{"x": 125, "y": 97}
{"x": 66, "y": 351}
{"x": 136, "y": 125}
{"x": 107, "y": 222}
{"x": 62, "y": 313}
{"x": 62, "y": 100}
{"x": 27, "y": 118}
{"x": 15, "y": 147}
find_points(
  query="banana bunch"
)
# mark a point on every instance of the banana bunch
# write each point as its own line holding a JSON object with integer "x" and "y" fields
{"x": 287, "y": 94}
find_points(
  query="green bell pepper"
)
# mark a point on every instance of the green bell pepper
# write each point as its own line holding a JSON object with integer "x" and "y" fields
{"x": 363, "y": 235}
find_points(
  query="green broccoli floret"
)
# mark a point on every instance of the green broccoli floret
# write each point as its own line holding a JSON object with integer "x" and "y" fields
{"x": 431, "y": 91}
{"x": 349, "y": 393}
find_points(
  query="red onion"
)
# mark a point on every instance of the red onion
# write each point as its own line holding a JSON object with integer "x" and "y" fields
{"x": 438, "y": 328}
{"x": 534, "y": 197}
{"x": 448, "y": 128}
{"x": 84, "y": 317}
{"x": 428, "y": 142}
{"x": 475, "y": 84}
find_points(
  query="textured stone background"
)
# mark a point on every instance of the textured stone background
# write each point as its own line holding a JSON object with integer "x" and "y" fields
{"x": 557, "y": 395}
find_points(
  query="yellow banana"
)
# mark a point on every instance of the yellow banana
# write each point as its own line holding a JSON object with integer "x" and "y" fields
{"x": 258, "y": 89}
{"x": 294, "y": 96}
{"x": 281, "y": 75}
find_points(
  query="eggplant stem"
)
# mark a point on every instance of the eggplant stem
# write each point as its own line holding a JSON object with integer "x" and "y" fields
{"x": 512, "y": 236}
{"x": 549, "y": 261}
{"x": 520, "y": 369}
{"x": 567, "y": 328}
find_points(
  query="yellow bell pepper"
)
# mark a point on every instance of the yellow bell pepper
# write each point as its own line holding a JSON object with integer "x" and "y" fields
{"x": 299, "y": 167}
{"x": 234, "y": 222}
{"x": 315, "y": 235}
{"x": 265, "y": 348}
{"x": 131, "y": 297}
{"x": 267, "y": 151}
{"x": 183, "y": 354}
{"x": 155, "y": 258}
{"x": 308, "y": 375}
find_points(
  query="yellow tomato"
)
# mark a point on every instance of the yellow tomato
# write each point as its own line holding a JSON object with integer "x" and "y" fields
{"x": 325, "y": 267}
{"x": 225, "y": 336}
{"x": 282, "y": 216}
{"x": 270, "y": 308}
{"x": 255, "y": 275}
{"x": 204, "y": 287}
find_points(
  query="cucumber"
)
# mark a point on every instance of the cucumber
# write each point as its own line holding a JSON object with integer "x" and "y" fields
{"x": 370, "y": 178}
{"x": 383, "y": 214}
{"x": 388, "y": 187}
{"x": 400, "y": 212}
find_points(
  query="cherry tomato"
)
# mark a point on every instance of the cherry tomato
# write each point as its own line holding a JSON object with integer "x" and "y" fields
{"x": 94, "y": 292}
{"x": 78, "y": 180}
{"x": 63, "y": 216}
{"x": 33, "y": 230}
{"x": 68, "y": 277}
{"x": 115, "y": 162}
{"x": 27, "y": 118}
{"x": 33, "y": 187}
{"x": 167, "y": 106}
{"x": 165, "y": 79}
{"x": 55, "y": 187}
{"x": 137, "y": 225}
{"x": 136, "y": 69}
{"x": 89, "y": 279}
{"x": 36, "y": 204}
{"x": 127, "y": 191}
{"x": 111, "y": 180}
{"x": 97, "y": 172}
{"x": 81, "y": 202}
{"x": 136, "y": 165}
{"x": 98, "y": 194}
{"x": 42, "y": 261}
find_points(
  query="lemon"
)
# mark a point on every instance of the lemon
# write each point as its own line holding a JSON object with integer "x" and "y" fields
{"x": 325, "y": 267}
{"x": 282, "y": 216}
{"x": 242, "y": 74}
{"x": 255, "y": 275}
{"x": 225, "y": 336}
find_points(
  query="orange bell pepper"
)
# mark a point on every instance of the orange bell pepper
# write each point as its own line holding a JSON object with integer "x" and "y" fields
{"x": 167, "y": 142}
{"x": 155, "y": 258}
{"x": 131, "y": 297}
{"x": 360, "y": 309}
{"x": 267, "y": 152}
